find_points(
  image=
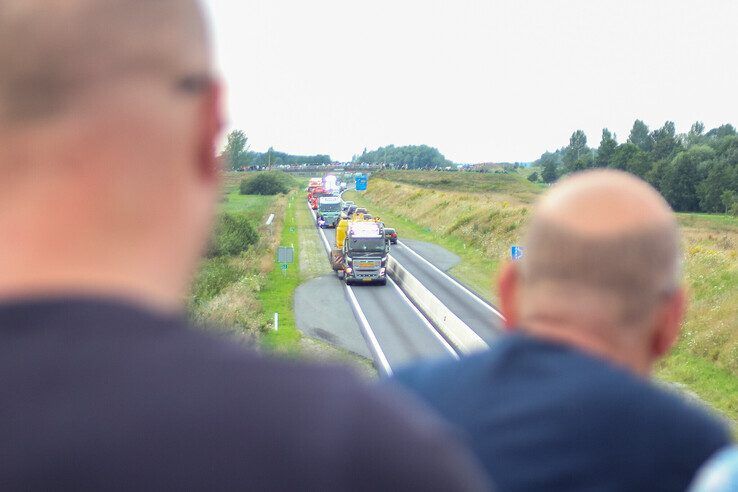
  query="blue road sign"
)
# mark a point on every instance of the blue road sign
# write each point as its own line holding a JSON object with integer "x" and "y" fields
{"x": 361, "y": 182}
{"x": 516, "y": 252}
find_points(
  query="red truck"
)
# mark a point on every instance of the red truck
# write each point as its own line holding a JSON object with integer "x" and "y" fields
{"x": 315, "y": 195}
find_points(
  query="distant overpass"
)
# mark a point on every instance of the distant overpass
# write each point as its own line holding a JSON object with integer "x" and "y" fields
{"x": 325, "y": 168}
{"x": 349, "y": 168}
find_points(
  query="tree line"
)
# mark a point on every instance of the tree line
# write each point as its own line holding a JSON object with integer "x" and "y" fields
{"x": 409, "y": 156}
{"x": 695, "y": 171}
{"x": 237, "y": 155}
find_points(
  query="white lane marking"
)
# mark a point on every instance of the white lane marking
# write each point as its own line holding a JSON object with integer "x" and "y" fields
{"x": 270, "y": 219}
{"x": 427, "y": 323}
{"x": 452, "y": 280}
{"x": 370, "y": 337}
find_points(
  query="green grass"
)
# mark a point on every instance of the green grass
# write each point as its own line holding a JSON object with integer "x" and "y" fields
{"x": 223, "y": 291}
{"x": 255, "y": 207}
{"x": 513, "y": 183}
{"x": 279, "y": 289}
{"x": 711, "y": 383}
{"x": 717, "y": 222}
{"x": 215, "y": 275}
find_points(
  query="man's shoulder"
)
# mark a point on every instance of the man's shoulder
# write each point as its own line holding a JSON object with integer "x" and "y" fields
{"x": 546, "y": 376}
{"x": 161, "y": 386}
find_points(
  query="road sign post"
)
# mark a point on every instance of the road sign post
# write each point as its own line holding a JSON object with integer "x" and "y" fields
{"x": 516, "y": 252}
{"x": 285, "y": 256}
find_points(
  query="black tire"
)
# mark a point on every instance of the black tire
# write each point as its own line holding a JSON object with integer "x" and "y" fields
{"x": 383, "y": 282}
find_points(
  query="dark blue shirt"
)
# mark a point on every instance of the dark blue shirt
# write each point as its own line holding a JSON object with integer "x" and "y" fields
{"x": 542, "y": 416}
{"x": 99, "y": 395}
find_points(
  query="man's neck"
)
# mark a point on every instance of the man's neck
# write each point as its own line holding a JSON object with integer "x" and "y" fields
{"x": 595, "y": 341}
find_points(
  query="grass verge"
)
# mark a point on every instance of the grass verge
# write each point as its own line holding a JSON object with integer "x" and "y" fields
{"x": 224, "y": 291}
{"x": 279, "y": 289}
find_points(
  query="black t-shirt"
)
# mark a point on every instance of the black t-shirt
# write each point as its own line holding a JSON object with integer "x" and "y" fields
{"x": 101, "y": 395}
{"x": 542, "y": 416}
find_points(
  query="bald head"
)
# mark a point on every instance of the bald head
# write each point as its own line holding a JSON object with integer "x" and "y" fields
{"x": 603, "y": 241}
{"x": 109, "y": 117}
{"x": 55, "y": 52}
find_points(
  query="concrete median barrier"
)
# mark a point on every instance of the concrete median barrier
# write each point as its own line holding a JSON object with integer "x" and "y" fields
{"x": 455, "y": 331}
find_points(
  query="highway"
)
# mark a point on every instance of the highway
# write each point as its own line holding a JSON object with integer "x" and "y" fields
{"x": 396, "y": 332}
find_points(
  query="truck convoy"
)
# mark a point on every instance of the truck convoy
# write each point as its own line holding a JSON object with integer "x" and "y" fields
{"x": 361, "y": 252}
{"x": 329, "y": 211}
{"x": 362, "y": 243}
{"x": 315, "y": 195}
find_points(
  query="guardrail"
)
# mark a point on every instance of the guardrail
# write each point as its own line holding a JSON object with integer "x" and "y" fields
{"x": 453, "y": 329}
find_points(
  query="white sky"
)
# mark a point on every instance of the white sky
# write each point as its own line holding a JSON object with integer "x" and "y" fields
{"x": 481, "y": 80}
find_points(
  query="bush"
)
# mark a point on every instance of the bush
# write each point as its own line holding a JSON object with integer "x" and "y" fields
{"x": 267, "y": 183}
{"x": 233, "y": 234}
{"x": 214, "y": 276}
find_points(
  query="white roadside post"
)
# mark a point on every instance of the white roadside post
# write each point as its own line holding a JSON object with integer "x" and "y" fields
{"x": 276, "y": 321}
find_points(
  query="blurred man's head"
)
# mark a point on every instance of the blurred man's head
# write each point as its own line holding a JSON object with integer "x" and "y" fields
{"x": 109, "y": 115}
{"x": 601, "y": 270}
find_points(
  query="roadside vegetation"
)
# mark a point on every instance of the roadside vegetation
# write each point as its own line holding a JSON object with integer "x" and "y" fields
{"x": 480, "y": 216}
{"x": 224, "y": 291}
{"x": 240, "y": 285}
{"x": 267, "y": 183}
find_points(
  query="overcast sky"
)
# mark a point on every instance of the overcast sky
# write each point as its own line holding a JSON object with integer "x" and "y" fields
{"x": 481, "y": 80}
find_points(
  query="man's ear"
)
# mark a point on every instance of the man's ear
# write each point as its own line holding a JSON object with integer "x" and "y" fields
{"x": 211, "y": 124}
{"x": 668, "y": 323}
{"x": 508, "y": 286}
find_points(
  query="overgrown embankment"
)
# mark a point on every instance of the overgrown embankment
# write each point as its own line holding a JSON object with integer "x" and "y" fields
{"x": 479, "y": 217}
{"x": 225, "y": 291}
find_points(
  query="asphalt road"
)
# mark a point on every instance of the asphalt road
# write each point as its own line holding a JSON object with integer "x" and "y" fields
{"x": 318, "y": 315}
{"x": 479, "y": 315}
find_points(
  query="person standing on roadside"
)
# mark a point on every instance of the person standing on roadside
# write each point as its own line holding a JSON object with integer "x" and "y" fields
{"x": 109, "y": 115}
{"x": 564, "y": 402}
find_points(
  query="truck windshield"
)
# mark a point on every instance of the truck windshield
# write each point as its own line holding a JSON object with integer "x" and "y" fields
{"x": 330, "y": 207}
{"x": 367, "y": 245}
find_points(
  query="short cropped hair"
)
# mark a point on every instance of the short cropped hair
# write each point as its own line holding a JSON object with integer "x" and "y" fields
{"x": 52, "y": 51}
